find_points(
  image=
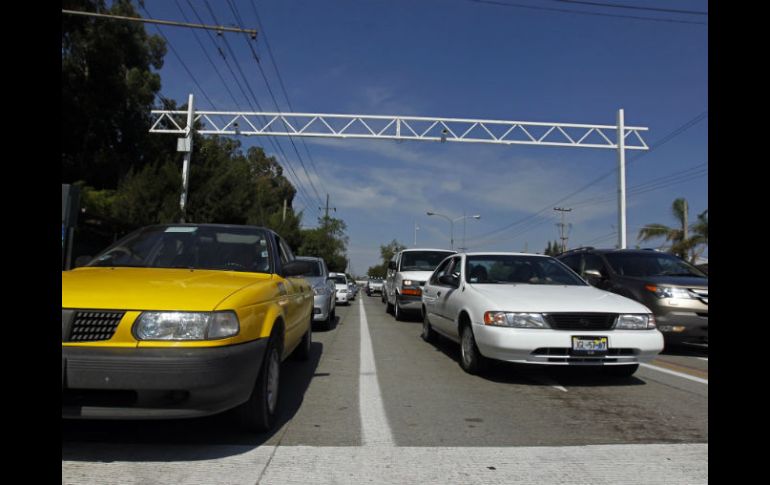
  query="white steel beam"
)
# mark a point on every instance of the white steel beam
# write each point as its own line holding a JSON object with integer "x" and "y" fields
{"x": 415, "y": 128}
{"x": 458, "y": 130}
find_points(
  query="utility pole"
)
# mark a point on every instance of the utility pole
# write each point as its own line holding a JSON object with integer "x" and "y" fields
{"x": 185, "y": 145}
{"x": 562, "y": 227}
{"x": 326, "y": 211}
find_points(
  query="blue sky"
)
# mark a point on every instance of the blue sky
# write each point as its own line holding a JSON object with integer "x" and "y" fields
{"x": 468, "y": 59}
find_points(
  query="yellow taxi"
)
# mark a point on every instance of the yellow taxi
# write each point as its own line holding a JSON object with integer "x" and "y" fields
{"x": 184, "y": 320}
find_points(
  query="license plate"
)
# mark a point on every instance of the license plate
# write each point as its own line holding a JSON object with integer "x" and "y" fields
{"x": 589, "y": 345}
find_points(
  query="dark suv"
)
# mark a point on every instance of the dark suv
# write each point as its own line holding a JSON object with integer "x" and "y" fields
{"x": 676, "y": 291}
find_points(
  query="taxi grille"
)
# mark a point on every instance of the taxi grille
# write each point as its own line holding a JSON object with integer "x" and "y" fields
{"x": 581, "y": 321}
{"x": 90, "y": 326}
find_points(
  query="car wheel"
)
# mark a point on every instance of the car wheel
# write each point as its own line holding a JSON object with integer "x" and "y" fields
{"x": 471, "y": 359}
{"x": 428, "y": 334}
{"x": 259, "y": 412}
{"x": 398, "y": 314}
{"x": 329, "y": 320}
{"x": 620, "y": 370}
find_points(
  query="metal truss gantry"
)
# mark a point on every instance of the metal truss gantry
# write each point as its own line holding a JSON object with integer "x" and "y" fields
{"x": 415, "y": 128}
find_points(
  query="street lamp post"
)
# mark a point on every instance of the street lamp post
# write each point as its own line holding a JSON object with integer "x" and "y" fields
{"x": 452, "y": 226}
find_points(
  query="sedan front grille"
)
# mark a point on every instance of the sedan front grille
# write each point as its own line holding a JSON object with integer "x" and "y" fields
{"x": 581, "y": 321}
{"x": 90, "y": 326}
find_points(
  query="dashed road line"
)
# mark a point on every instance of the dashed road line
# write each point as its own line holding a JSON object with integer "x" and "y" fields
{"x": 374, "y": 423}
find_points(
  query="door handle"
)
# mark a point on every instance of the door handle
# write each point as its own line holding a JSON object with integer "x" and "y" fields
{"x": 438, "y": 293}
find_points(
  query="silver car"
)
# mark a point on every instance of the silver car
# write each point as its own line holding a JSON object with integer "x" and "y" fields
{"x": 324, "y": 306}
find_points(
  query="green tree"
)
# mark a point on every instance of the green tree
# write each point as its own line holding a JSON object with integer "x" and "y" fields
{"x": 328, "y": 241}
{"x": 108, "y": 87}
{"x": 386, "y": 254}
{"x": 685, "y": 239}
{"x": 553, "y": 249}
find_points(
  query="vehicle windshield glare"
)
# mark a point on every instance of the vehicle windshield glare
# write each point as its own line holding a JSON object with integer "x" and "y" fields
{"x": 651, "y": 264}
{"x": 422, "y": 260}
{"x": 516, "y": 269}
{"x": 224, "y": 248}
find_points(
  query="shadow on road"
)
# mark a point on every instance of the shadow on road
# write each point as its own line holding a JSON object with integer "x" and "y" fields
{"x": 691, "y": 350}
{"x": 95, "y": 440}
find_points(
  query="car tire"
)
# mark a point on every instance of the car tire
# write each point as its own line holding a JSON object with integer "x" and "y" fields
{"x": 620, "y": 370}
{"x": 258, "y": 414}
{"x": 398, "y": 313}
{"x": 428, "y": 334}
{"x": 471, "y": 359}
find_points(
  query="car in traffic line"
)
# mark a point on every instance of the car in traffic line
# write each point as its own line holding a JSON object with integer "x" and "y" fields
{"x": 341, "y": 288}
{"x": 407, "y": 272}
{"x": 676, "y": 291}
{"x": 532, "y": 309}
{"x": 324, "y": 300}
{"x": 181, "y": 321}
{"x": 374, "y": 285}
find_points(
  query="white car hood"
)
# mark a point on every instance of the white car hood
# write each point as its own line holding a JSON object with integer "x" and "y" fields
{"x": 552, "y": 298}
{"x": 415, "y": 275}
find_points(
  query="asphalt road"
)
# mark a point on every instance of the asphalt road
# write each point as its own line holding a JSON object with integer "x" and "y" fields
{"x": 376, "y": 404}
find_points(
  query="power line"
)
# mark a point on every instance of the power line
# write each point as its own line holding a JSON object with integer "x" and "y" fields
{"x": 283, "y": 88}
{"x": 181, "y": 61}
{"x": 579, "y": 12}
{"x": 205, "y": 52}
{"x": 300, "y": 189}
{"x": 218, "y": 28}
{"x": 270, "y": 91}
{"x": 633, "y": 7}
{"x": 681, "y": 129}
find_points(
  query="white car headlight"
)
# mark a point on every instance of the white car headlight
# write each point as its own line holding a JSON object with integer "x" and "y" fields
{"x": 319, "y": 290}
{"x": 407, "y": 283}
{"x": 635, "y": 322}
{"x": 669, "y": 292}
{"x": 517, "y": 320}
{"x": 186, "y": 325}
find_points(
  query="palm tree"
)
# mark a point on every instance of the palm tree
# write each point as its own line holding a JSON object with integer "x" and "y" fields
{"x": 682, "y": 244}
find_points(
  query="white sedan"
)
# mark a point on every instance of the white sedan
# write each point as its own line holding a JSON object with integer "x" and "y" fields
{"x": 533, "y": 309}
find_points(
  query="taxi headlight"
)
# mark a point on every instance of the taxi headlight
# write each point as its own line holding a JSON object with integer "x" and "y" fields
{"x": 186, "y": 325}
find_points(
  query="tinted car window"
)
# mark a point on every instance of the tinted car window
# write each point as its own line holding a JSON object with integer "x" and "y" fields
{"x": 651, "y": 264}
{"x": 422, "y": 260}
{"x": 195, "y": 247}
{"x": 503, "y": 269}
{"x": 594, "y": 262}
{"x": 572, "y": 261}
{"x": 340, "y": 280}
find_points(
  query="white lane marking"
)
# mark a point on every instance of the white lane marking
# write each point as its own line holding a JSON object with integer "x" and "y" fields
{"x": 675, "y": 373}
{"x": 100, "y": 463}
{"x": 542, "y": 379}
{"x": 374, "y": 423}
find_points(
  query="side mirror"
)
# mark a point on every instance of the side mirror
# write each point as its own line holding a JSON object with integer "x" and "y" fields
{"x": 448, "y": 279}
{"x": 82, "y": 261}
{"x": 593, "y": 275}
{"x": 297, "y": 268}
{"x": 391, "y": 265}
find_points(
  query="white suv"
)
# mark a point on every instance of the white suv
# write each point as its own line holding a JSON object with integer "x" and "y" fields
{"x": 407, "y": 273}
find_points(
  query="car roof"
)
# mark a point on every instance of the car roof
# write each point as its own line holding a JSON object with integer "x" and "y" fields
{"x": 504, "y": 253}
{"x": 612, "y": 250}
{"x": 221, "y": 226}
{"x": 428, "y": 249}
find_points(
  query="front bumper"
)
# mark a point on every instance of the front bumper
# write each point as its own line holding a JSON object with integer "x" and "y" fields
{"x": 684, "y": 327}
{"x": 342, "y": 297}
{"x": 535, "y": 346}
{"x": 409, "y": 302}
{"x": 321, "y": 307}
{"x": 142, "y": 383}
